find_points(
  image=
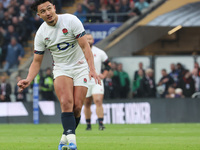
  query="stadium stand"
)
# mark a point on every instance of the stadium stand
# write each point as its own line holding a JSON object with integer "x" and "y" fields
{"x": 143, "y": 32}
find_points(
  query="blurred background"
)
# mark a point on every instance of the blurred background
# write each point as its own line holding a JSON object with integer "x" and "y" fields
{"x": 153, "y": 46}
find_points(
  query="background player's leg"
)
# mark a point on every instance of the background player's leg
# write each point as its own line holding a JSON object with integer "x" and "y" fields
{"x": 79, "y": 96}
{"x": 87, "y": 111}
{"x": 64, "y": 90}
{"x": 98, "y": 100}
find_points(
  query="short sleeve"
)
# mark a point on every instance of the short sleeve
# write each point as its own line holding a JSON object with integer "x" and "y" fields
{"x": 39, "y": 45}
{"x": 104, "y": 56}
{"x": 77, "y": 28}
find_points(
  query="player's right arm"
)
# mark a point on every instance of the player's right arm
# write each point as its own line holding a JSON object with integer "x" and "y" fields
{"x": 33, "y": 71}
{"x": 107, "y": 65}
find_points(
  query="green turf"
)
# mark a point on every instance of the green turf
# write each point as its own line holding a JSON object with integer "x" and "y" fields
{"x": 115, "y": 137}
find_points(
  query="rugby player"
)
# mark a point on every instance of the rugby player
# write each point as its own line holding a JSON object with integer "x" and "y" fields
{"x": 64, "y": 36}
{"x": 95, "y": 91}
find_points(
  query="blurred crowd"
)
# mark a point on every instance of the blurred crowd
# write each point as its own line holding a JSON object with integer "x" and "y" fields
{"x": 178, "y": 83}
{"x": 17, "y": 23}
{"x": 110, "y": 10}
{"x": 46, "y": 89}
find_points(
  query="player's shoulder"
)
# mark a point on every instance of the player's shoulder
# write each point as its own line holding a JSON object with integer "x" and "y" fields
{"x": 96, "y": 48}
{"x": 42, "y": 28}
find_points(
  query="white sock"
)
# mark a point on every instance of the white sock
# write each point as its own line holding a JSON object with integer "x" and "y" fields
{"x": 63, "y": 139}
{"x": 71, "y": 138}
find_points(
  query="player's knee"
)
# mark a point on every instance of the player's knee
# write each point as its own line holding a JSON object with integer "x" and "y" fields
{"x": 87, "y": 104}
{"x": 98, "y": 103}
{"x": 77, "y": 111}
{"x": 66, "y": 105}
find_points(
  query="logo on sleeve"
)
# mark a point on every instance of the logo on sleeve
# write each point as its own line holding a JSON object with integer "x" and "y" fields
{"x": 47, "y": 39}
{"x": 65, "y": 31}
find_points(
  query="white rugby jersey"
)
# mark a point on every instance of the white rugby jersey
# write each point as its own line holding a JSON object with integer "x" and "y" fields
{"x": 99, "y": 57}
{"x": 61, "y": 40}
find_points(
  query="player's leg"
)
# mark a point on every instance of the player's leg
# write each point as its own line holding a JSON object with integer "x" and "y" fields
{"x": 64, "y": 90}
{"x": 87, "y": 111}
{"x": 80, "y": 89}
{"x": 79, "y": 96}
{"x": 98, "y": 100}
{"x": 98, "y": 94}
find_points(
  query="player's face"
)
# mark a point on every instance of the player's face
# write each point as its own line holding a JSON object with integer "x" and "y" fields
{"x": 90, "y": 39}
{"x": 47, "y": 12}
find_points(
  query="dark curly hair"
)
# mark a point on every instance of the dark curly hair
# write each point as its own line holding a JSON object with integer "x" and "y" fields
{"x": 34, "y": 6}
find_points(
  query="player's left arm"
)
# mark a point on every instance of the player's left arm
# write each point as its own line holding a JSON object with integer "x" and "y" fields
{"x": 79, "y": 33}
{"x": 82, "y": 41}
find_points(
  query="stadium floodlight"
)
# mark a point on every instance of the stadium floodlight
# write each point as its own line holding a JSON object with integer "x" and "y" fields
{"x": 174, "y": 29}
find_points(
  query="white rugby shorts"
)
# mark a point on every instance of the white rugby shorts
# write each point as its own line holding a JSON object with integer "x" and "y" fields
{"x": 94, "y": 88}
{"x": 80, "y": 76}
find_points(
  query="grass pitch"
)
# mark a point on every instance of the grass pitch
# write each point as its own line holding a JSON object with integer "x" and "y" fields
{"x": 115, "y": 137}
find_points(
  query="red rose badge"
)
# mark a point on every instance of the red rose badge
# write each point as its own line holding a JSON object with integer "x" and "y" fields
{"x": 85, "y": 80}
{"x": 65, "y": 31}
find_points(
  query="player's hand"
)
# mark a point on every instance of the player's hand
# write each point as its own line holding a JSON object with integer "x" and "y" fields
{"x": 94, "y": 75}
{"x": 22, "y": 84}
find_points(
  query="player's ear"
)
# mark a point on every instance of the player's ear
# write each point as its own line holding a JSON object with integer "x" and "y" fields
{"x": 38, "y": 15}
